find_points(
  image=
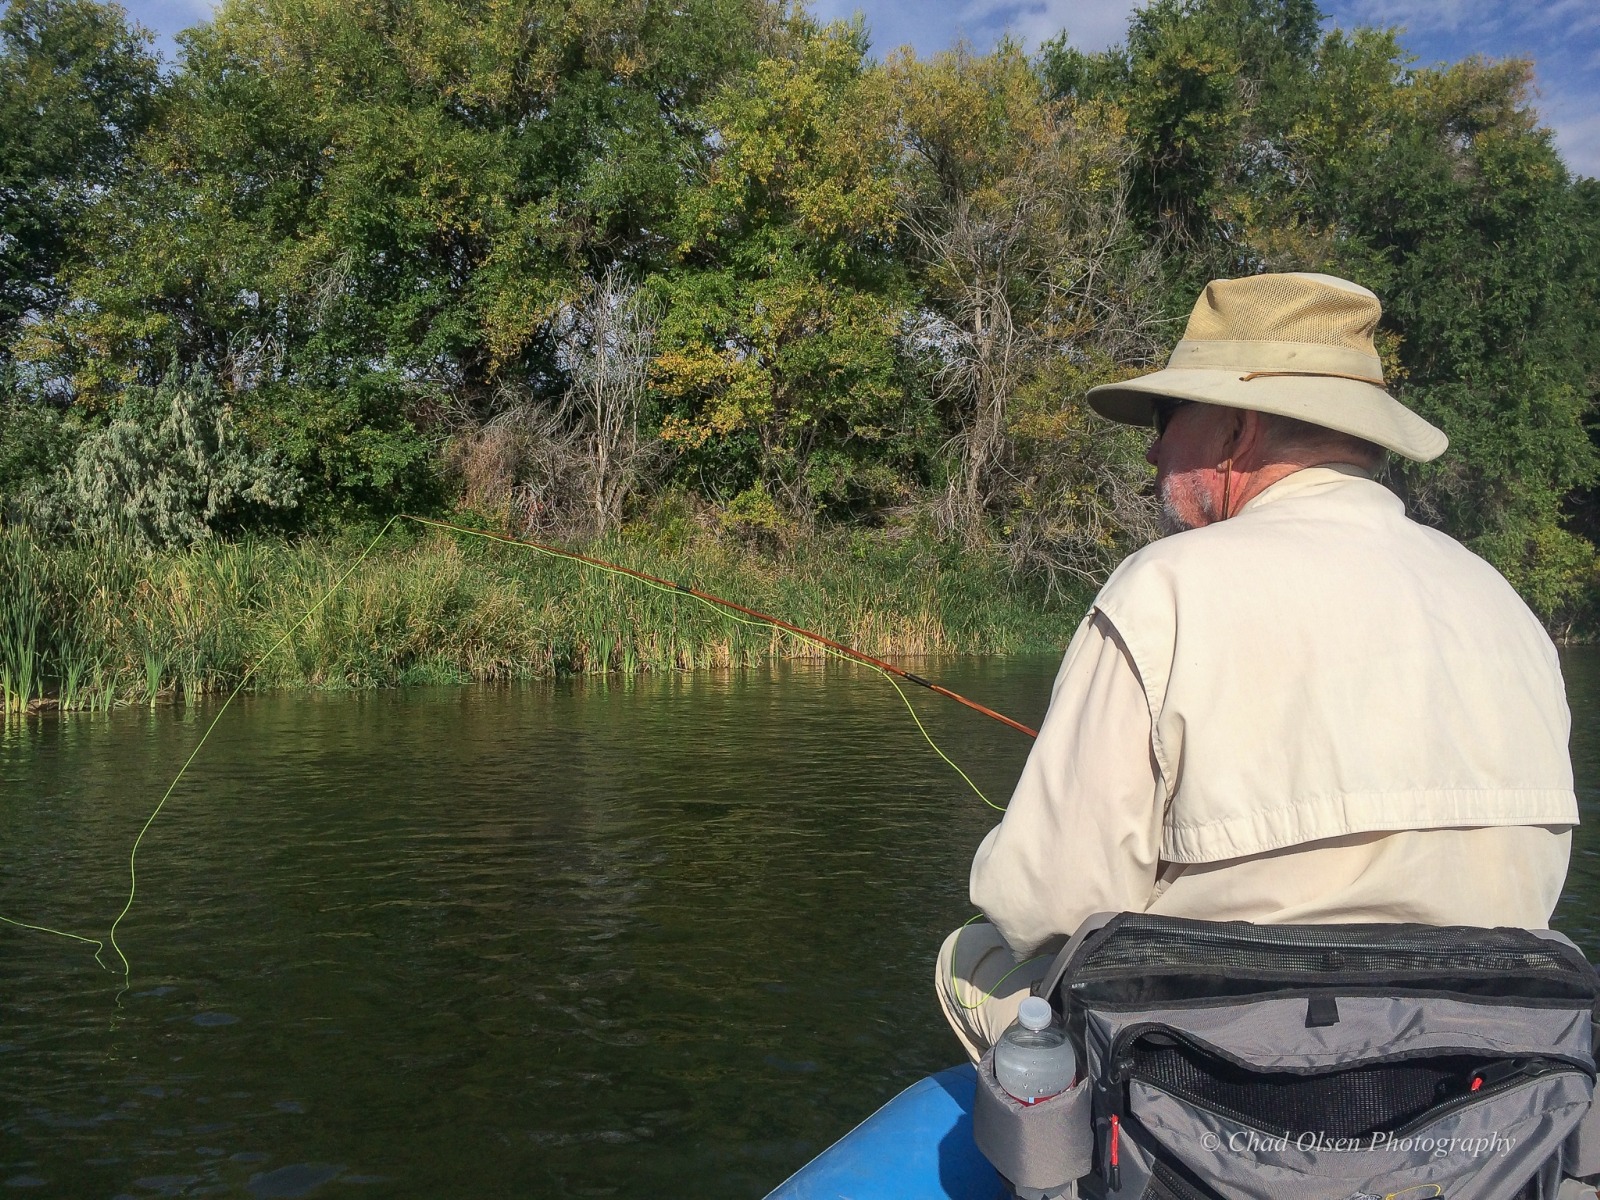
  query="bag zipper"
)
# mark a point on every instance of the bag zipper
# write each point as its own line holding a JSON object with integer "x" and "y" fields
{"x": 1502, "y": 1082}
{"x": 1108, "y": 1107}
{"x": 1491, "y": 1081}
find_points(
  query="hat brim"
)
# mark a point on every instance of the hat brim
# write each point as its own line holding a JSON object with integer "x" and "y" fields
{"x": 1346, "y": 405}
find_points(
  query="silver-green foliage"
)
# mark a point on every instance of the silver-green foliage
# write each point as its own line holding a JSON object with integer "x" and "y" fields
{"x": 169, "y": 476}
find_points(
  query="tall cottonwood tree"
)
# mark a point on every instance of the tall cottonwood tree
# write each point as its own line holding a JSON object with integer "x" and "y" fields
{"x": 78, "y": 84}
{"x": 779, "y": 373}
{"x": 1014, "y": 205}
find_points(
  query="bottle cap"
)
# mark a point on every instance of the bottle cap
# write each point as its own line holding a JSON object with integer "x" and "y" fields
{"x": 1035, "y": 1013}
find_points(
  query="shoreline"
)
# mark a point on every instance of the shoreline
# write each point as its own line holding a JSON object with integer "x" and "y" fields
{"x": 95, "y": 626}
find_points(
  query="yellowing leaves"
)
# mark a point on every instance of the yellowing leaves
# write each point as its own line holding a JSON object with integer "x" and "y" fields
{"x": 725, "y": 390}
{"x": 802, "y": 138}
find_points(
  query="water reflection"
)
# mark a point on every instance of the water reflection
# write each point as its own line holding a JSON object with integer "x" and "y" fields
{"x": 569, "y": 939}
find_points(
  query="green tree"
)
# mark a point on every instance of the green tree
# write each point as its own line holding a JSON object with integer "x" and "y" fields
{"x": 1207, "y": 87}
{"x": 1015, "y": 207}
{"x": 77, "y": 86}
{"x": 363, "y": 220}
{"x": 1469, "y": 203}
{"x": 779, "y": 373}
{"x": 1264, "y": 145}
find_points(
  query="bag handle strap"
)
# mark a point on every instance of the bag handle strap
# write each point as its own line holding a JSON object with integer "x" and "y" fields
{"x": 1051, "y": 979}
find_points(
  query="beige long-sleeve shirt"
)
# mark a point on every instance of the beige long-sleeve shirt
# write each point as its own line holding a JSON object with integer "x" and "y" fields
{"x": 1360, "y": 753}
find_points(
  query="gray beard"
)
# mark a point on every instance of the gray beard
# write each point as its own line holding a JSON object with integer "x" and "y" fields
{"x": 1171, "y": 521}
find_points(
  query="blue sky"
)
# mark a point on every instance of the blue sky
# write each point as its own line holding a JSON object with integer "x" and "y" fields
{"x": 1562, "y": 37}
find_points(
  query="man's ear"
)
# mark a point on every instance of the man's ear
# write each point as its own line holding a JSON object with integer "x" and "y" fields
{"x": 1241, "y": 431}
{"x": 1246, "y": 433}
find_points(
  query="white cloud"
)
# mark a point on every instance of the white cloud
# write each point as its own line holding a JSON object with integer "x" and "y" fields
{"x": 1092, "y": 24}
{"x": 1424, "y": 16}
{"x": 169, "y": 16}
{"x": 1480, "y": 25}
{"x": 1571, "y": 115}
{"x": 1571, "y": 18}
{"x": 1579, "y": 143}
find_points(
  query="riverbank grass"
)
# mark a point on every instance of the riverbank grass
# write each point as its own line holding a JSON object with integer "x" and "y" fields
{"x": 88, "y": 626}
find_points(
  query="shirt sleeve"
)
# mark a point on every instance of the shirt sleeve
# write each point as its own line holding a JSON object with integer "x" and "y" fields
{"x": 1082, "y": 833}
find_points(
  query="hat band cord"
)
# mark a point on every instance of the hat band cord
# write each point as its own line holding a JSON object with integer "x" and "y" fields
{"x": 1314, "y": 374}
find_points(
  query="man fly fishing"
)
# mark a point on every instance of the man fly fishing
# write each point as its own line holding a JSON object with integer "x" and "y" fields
{"x": 1299, "y": 707}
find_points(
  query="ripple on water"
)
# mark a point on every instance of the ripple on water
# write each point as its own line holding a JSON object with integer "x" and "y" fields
{"x": 287, "y": 1183}
{"x": 166, "y": 1185}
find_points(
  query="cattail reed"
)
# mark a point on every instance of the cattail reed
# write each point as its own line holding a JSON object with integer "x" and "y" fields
{"x": 88, "y": 626}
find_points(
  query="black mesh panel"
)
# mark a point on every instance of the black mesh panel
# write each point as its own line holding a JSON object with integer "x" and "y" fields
{"x": 1163, "y": 958}
{"x": 1354, "y": 1103}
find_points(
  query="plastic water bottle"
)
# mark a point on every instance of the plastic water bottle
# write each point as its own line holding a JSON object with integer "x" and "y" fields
{"x": 1034, "y": 1059}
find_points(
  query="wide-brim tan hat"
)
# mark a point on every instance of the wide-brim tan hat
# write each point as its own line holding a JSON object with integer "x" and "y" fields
{"x": 1297, "y": 345}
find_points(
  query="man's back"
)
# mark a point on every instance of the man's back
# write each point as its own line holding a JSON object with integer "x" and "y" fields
{"x": 1320, "y": 666}
{"x": 1315, "y": 711}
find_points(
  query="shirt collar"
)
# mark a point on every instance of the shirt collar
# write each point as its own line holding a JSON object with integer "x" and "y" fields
{"x": 1309, "y": 479}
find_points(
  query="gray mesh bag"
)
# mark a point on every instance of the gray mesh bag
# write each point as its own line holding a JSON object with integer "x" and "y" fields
{"x": 1309, "y": 1062}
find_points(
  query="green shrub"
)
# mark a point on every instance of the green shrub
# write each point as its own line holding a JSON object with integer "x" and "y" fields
{"x": 171, "y": 470}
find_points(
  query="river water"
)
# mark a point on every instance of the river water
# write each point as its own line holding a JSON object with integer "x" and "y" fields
{"x": 663, "y": 936}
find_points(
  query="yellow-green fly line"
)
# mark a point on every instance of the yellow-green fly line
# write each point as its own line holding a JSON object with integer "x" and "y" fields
{"x": 727, "y": 609}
